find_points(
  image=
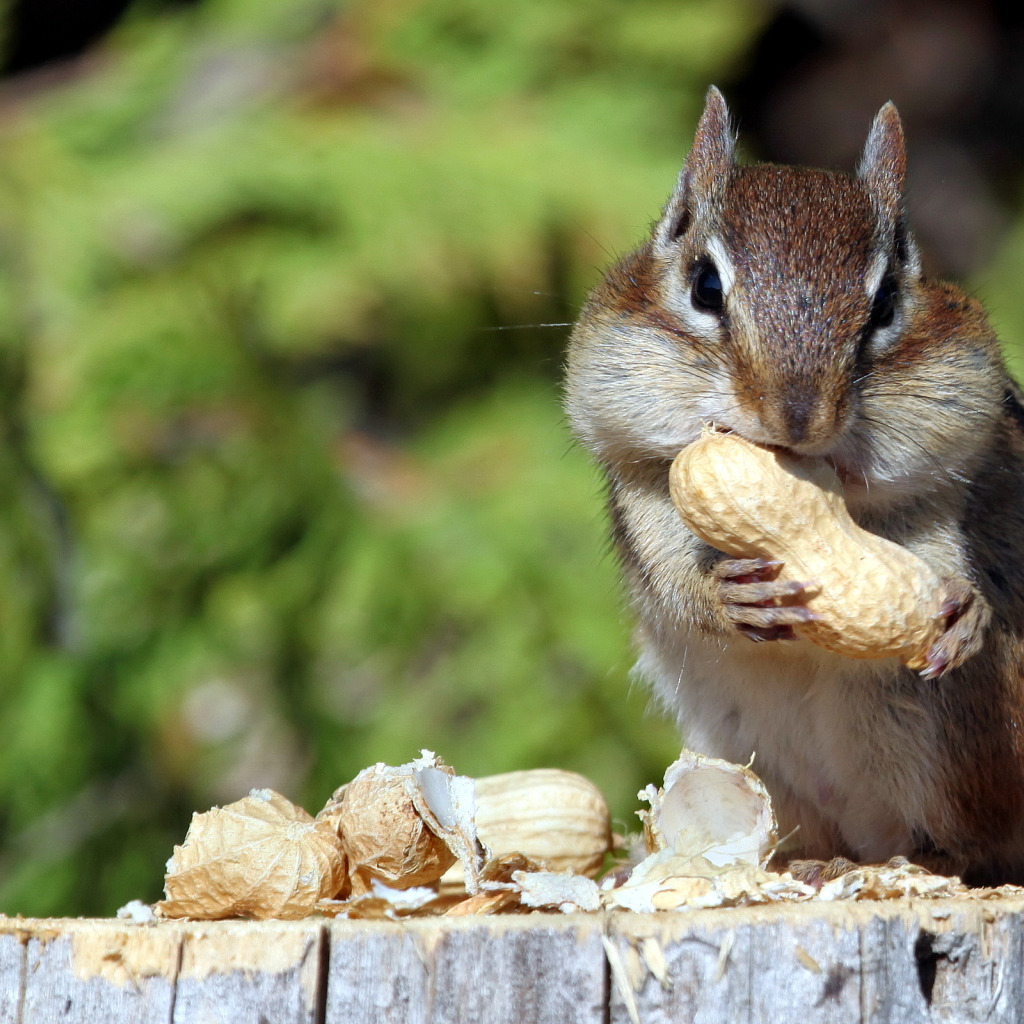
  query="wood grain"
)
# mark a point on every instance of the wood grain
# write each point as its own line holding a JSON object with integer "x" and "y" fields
{"x": 902, "y": 962}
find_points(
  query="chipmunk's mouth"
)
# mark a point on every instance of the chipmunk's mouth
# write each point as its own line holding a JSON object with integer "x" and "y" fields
{"x": 845, "y": 474}
{"x": 852, "y": 478}
{"x": 768, "y": 446}
{"x": 856, "y": 485}
{"x": 859, "y": 486}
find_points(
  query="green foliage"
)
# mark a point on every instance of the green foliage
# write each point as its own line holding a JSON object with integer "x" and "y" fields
{"x": 285, "y": 485}
{"x": 999, "y": 288}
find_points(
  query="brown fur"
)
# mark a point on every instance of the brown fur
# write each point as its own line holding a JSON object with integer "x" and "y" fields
{"x": 919, "y": 416}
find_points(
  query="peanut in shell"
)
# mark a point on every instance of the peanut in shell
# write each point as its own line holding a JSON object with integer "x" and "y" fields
{"x": 875, "y": 599}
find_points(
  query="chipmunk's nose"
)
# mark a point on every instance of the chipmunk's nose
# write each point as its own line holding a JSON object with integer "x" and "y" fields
{"x": 804, "y": 418}
{"x": 797, "y": 414}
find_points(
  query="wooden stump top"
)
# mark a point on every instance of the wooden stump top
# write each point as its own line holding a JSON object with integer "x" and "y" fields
{"x": 897, "y": 962}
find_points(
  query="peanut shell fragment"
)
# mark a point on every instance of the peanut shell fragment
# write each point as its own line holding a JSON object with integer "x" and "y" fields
{"x": 710, "y": 808}
{"x": 876, "y": 599}
{"x": 382, "y": 831}
{"x": 261, "y": 856}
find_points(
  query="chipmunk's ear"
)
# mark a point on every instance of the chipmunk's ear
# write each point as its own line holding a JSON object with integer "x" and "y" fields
{"x": 883, "y": 170}
{"x": 705, "y": 173}
{"x": 883, "y": 167}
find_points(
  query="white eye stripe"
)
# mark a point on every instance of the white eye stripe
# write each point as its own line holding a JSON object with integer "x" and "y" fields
{"x": 700, "y": 323}
{"x": 720, "y": 257}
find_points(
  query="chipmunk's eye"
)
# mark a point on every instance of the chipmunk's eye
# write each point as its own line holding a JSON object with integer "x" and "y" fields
{"x": 883, "y": 306}
{"x": 707, "y": 287}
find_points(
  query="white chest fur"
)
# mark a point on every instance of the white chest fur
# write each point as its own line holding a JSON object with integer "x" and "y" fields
{"x": 827, "y": 753}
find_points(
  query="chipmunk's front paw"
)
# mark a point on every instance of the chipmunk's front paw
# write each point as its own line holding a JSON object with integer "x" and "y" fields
{"x": 757, "y": 603}
{"x": 965, "y": 619}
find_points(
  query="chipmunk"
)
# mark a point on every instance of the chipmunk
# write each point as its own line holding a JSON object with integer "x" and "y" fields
{"x": 788, "y": 305}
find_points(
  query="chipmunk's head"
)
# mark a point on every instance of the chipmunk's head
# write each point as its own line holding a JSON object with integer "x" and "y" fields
{"x": 787, "y": 305}
{"x": 788, "y": 280}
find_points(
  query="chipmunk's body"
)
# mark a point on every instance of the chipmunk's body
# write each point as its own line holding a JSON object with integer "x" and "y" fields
{"x": 788, "y": 305}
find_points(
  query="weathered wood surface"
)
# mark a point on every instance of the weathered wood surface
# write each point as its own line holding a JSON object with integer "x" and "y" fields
{"x": 898, "y": 963}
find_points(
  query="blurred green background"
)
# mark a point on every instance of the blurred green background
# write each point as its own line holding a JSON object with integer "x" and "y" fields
{"x": 285, "y": 485}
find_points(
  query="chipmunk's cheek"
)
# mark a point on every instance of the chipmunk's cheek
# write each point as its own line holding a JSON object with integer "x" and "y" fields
{"x": 859, "y": 490}
{"x": 848, "y": 475}
{"x": 852, "y": 464}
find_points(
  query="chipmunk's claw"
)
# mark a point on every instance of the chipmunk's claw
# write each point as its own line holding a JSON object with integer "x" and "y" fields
{"x": 758, "y": 604}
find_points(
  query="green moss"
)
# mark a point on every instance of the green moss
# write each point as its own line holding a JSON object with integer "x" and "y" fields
{"x": 285, "y": 484}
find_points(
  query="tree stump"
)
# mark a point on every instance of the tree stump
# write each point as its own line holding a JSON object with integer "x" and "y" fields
{"x": 899, "y": 962}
